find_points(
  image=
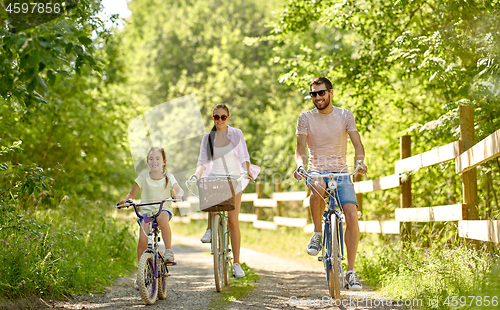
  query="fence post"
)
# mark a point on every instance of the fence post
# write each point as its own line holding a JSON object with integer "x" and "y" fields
{"x": 260, "y": 194}
{"x": 469, "y": 178}
{"x": 405, "y": 197}
{"x": 277, "y": 189}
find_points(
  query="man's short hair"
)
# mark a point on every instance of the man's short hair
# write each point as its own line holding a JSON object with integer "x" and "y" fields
{"x": 321, "y": 80}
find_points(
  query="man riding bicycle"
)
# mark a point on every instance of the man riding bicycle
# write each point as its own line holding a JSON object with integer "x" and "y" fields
{"x": 324, "y": 130}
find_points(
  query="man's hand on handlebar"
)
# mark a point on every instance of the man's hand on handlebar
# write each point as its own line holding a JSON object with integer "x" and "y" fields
{"x": 298, "y": 174}
{"x": 362, "y": 167}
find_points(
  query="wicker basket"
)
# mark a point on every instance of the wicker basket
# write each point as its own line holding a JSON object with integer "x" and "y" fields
{"x": 217, "y": 193}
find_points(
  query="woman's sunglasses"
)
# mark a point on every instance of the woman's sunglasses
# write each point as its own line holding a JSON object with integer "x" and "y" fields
{"x": 217, "y": 117}
{"x": 319, "y": 92}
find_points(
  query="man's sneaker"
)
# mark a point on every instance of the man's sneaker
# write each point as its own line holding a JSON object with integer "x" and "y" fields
{"x": 238, "y": 271}
{"x": 135, "y": 284}
{"x": 169, "y": 255}
{"x": 314, "y": 245}
{"x": 207, "y": 237}
{"x": 352, "y": 281}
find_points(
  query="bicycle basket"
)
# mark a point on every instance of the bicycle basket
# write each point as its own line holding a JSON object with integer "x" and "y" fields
{"x": 217, "y": 193}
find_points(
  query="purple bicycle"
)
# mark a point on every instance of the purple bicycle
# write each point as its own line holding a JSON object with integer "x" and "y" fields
{"x": 153, "y": 268}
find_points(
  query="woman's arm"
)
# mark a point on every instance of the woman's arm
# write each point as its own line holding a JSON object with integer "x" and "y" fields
{"x": 199, "y": 171}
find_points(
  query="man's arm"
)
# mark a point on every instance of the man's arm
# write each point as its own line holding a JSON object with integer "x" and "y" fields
{"x": 359, "y": 149}
{"x": 300, "y": 153}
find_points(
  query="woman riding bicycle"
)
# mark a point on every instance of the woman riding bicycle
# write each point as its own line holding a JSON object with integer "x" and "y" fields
{"x": 223, "y": 152}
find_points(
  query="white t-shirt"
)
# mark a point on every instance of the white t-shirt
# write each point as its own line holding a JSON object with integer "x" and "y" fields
{"x": 226, "y": 152}
{"x": 154, "y": 191}
{"x": 327, "y": 138}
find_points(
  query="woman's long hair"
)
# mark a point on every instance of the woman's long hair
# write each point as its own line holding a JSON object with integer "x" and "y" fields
{"x": 211, "y": 135}
{"x": 162, "y": 151}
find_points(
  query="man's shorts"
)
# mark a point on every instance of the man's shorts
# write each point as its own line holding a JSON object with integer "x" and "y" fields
{"x": 345, "y": 189}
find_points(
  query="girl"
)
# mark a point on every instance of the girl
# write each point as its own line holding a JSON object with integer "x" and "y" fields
{"x": 156, "y": 186}
{"x": 224, "y": 152}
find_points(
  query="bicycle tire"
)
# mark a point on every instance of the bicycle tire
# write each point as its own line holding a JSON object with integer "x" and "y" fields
{"x": 162, "y": 277}
{"x": 334, "y": 276}
{"x": 217, "y": 245}
{"x": 148, "y": 285}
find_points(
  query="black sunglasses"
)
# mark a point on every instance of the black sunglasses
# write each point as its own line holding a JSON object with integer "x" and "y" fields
{"x": 217, "y": 117}
{"x": 319, "y": 92}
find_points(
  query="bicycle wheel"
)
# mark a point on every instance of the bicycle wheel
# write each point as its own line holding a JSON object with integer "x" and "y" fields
{"x": 217, "y": 246}
{"x": 148, "y": 285}
{"x": 334, "y": 272}
{"x": 162, "y": 277}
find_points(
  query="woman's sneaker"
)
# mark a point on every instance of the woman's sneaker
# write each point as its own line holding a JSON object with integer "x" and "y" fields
{"x": 207, "y": 237}
{"x": 352, "y": 281}
{"x": 135, "y": 285}
{"x": 169, "y": 255}
{"x": 238, "y": 271}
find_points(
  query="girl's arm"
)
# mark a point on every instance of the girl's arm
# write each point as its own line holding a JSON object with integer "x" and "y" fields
{"x": 178, "y": 191}
{"x": 132, "y": 193}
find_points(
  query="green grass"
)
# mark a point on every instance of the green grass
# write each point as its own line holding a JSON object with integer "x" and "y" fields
{"x": 237, "y": 288}
{"x": 438, "y": 271}
{"x": 73, "y": 249}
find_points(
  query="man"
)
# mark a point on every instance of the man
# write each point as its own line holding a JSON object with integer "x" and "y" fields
{"x": 324, "y": 131}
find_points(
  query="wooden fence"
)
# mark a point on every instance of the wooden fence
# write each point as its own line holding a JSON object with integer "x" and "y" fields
{"x": 466, "y": 154}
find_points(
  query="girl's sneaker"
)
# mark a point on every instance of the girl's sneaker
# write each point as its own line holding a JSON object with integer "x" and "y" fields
{"x": 207, "y": 237}
{"x": 238, "y": 271}
{"x": 169, "y": 255}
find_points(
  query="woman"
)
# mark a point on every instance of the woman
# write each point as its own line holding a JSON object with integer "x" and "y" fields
{"x": 224, "y": 152}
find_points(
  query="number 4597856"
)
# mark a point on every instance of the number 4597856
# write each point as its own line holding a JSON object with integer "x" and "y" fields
{"x": 39, "y": 8}
{"x": 471, "y": 301}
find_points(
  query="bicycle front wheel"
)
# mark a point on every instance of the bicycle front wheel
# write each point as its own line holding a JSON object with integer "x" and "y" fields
{"x": 148, "y": 284}
{"x": 162, "y": 277}
{"x": 334, "y": 271}
{"x": 218, "y": 249}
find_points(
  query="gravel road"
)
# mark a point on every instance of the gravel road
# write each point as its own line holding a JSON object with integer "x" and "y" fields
{"x": 284, "y": 284}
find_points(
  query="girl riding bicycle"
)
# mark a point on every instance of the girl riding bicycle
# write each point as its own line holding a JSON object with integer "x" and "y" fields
{"x": 224, "y": 152}
{"x": 156, "y": 185}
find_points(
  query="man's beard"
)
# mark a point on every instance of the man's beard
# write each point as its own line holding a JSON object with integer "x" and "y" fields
{"x": 317, "y": 107}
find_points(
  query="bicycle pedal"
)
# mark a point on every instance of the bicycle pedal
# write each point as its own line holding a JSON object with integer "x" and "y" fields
{"x": 320, "y": 258}
{"x": 171, "y": 263}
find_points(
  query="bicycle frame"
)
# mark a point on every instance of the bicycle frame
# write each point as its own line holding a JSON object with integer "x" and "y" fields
{"x": 332, "y": 230}
{"x": 219, "y": 218}
{"x": 154, "y": 262}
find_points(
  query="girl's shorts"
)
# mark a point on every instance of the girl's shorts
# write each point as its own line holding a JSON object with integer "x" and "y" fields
{"x": 139, "y": 221}
{"x": 344, "y": 193}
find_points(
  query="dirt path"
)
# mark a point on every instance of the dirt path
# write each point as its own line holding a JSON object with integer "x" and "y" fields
{"x": 284, "y": 284}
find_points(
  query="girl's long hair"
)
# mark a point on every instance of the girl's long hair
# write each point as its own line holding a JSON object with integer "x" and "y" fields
{"x": 162, "y": 151}
{"x": 211, "y": 135}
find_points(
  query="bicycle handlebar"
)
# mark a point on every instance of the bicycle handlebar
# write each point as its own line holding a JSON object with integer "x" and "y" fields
{"x": 131, "y": 203}
{"x": 303, "y": 171}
